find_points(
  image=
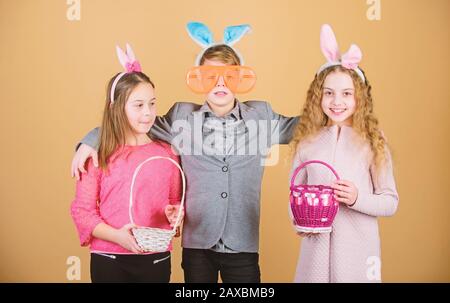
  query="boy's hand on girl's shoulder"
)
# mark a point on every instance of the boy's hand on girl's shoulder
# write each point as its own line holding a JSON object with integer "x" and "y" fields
{"x": 83, "y": 153}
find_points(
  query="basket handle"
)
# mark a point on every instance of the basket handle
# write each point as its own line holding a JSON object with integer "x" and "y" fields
{"x": 136, "y": 171}
{"x": 311, "y": 162}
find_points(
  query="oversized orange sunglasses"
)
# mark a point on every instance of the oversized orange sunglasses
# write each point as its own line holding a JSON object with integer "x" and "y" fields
{"x": 239, "y": 79}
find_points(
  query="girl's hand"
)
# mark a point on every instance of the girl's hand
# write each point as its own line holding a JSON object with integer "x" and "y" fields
{"x": 125, "y": 238}
{"x": 171, "y": 212}
{"x": 83, "y": 153}
{"x": 345, "y": 192}
{"x": 178, "y": 233}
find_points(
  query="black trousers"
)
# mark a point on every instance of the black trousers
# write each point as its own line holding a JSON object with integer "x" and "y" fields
{"x": 108, "y": 268}
{"x": 204, "y": 266}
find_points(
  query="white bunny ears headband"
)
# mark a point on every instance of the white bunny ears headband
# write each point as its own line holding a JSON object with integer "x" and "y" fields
{"x": 330, "y": 50}
{"x": 201, "y": 34}
{"x": 129, "y": 63}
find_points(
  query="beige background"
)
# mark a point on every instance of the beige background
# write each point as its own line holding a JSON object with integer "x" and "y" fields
{"x": 53, "y": 78}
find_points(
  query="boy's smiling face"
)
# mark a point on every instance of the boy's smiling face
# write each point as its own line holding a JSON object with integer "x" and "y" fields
{"x": 220, "y": 98}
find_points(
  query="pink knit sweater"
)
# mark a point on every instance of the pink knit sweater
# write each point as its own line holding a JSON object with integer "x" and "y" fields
{"x": 104, "y": 196}
{"x": 351, "y": 252}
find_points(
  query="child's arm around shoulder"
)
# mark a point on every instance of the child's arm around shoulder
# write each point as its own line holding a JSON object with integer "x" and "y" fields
{"x": 163, "y": 126}
{"x": 88, "y": 146}
{"x": 160, "y": 129}
{"x": 282, "y": 127}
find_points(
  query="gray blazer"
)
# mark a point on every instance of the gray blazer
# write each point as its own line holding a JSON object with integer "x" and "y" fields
{"x": 223, "y": 190}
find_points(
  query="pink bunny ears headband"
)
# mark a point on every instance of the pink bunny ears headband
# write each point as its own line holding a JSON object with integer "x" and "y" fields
{"x": 129, "y": 63}
{"x": 330, "y": 50}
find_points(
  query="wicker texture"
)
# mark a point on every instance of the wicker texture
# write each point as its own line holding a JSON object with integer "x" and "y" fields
{"x": 313, "y": 206}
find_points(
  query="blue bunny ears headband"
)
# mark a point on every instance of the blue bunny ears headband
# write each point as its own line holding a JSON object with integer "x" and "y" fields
{"x": 201, "y": 34}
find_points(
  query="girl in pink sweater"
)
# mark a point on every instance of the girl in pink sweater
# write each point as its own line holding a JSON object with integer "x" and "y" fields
{"x": 338, "y": 126}
{"x": 100, "y": 209}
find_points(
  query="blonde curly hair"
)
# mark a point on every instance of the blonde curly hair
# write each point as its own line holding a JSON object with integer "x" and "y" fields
{"x": 313, "y": 119}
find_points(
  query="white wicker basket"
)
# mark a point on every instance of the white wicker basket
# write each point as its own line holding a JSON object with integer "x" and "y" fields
{"x": 152, "y": 239}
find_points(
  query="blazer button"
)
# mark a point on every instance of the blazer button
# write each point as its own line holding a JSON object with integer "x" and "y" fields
{"x": 224, "y": 195}
{"x": 225, "y": 169}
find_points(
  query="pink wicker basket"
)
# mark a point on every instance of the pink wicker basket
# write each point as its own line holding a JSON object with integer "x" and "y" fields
{"x": 313, "y": 206}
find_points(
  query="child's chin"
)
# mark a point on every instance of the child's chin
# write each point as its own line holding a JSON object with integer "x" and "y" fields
{"x": 337, "y": 119}
{"x": 222, "y": 101}
{"x": 143, "y": 130}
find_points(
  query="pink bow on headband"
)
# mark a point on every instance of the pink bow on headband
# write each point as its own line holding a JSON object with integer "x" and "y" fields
{"x": 330, "y": 49}
{"x": 128, "y": 60}
{"x": 129, "y": 63}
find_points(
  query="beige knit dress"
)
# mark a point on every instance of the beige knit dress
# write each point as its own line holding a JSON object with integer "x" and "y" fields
{"x": 351, "y": 252}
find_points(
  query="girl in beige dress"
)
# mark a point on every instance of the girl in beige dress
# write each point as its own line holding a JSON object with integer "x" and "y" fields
{"x": 338, "y": 126}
